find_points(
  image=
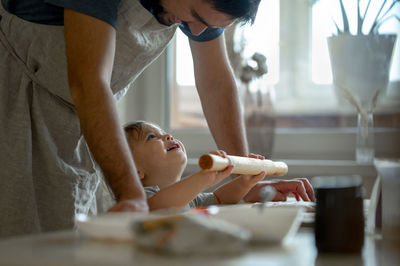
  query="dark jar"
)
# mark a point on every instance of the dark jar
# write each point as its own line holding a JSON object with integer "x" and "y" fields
{"x": 339, "y": 217}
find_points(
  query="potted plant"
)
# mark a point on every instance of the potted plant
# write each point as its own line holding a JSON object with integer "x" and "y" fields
{"x": 360, "y": 65}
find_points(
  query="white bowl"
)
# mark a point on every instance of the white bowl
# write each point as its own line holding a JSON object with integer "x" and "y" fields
{"x": 270, "y": 224}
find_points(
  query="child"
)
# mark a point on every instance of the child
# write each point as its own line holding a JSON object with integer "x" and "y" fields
{"x": 160, "y": 160}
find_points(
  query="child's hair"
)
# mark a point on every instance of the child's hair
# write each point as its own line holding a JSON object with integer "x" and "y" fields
{"x": 136, "y": 129}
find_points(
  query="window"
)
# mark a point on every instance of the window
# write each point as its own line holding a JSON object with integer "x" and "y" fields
{"x": 310, "y": 122}
{"x": 292, "y": 35}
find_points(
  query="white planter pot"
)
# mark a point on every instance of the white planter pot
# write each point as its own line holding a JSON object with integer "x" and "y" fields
{"x": 360, "y": 66}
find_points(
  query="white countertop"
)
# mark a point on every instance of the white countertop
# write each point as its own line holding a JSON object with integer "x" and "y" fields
{"x": 71, "y": 248}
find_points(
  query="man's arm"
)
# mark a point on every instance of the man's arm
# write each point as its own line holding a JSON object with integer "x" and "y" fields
{"x": 181, "y": 193}
{"x": 90, "y": 48}
{"x": 219, "y": 96}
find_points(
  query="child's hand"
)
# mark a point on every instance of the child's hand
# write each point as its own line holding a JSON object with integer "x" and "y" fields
{"x": 217, "y": 176}
{"x": 251, "y": 180}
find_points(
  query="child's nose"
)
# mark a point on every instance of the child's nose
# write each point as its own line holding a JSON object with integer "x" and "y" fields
{"x": 168, "y": 137}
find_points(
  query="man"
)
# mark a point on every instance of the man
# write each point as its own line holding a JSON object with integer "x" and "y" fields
{"x": 62, "y": 63}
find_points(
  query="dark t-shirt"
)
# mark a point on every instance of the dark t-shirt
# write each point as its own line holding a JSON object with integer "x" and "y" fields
{"x": 51, "y": 12}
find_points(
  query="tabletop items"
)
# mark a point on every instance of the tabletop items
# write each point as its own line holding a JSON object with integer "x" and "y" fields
{"x": 189, "y": 234}
{"x": 339, "y": 217}
{"x": 267, "y": 194}
{"x": 95, "y": 247}
{"x": 213, "y": 230}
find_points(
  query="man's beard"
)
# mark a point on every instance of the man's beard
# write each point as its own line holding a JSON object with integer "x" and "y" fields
{"x": 158, "y": 11}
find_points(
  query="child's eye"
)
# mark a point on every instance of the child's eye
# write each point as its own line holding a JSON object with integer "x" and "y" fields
{"x": 150, "y": 136}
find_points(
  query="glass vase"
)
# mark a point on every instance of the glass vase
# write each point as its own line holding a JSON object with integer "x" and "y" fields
{"x": 365, "y": 138}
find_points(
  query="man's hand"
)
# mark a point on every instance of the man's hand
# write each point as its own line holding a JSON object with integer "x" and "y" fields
{"x": 131, "y": 205}
{"x": 299, "y": 187}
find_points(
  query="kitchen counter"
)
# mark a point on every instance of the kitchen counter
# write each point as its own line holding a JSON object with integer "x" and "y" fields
{"x": 72, "y": 248}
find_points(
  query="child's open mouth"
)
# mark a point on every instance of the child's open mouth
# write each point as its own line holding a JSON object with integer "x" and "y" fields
{"x": 173, "y": 147}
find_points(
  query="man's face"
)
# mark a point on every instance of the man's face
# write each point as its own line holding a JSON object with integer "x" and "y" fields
{"x": 158, "y": 156}
{"x": 197, "y": 14}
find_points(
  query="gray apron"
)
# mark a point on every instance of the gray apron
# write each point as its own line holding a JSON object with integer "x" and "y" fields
{"x": 47, "y": 174}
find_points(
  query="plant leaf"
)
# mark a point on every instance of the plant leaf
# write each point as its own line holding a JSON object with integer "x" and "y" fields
{"x": 359, "y": 20}
{"x": 337, "y": 27}
{"x": 390, "y": 8}
{"x": 366, "y": 9}
{"x": 376, "y": 28}
{"x": 378, "y": 22}
{"x": 377, "y": 16}
{"x": 365, "y": 13}
{"x": 344, "y": 17}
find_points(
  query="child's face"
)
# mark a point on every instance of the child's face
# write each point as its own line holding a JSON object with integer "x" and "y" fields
{"x": 159, "y": 157}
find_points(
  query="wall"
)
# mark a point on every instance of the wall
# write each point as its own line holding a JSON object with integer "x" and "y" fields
{"x": 145, "y": 99}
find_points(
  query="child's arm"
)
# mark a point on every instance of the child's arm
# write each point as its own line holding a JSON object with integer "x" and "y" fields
{"x": 184, "y": 191}
{"x": 234, "y": 191}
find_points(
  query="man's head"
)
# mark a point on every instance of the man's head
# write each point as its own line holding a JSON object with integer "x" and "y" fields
{"x": 200, "y": 14}
{"x": 160, "y": 159}
{"x": 242, "y": 10}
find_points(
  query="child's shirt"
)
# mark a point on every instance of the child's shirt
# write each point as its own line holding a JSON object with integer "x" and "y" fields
{"x": 202, "y": 199}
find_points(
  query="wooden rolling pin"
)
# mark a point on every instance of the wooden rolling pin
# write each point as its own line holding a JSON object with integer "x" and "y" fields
{"x": 243, "y": 165}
